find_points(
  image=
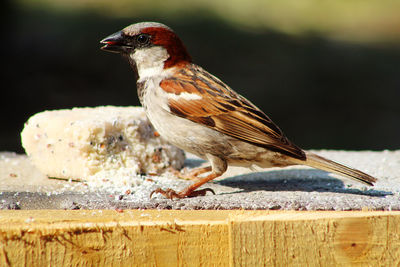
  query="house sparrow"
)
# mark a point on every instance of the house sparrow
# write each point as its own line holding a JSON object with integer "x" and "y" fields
{"x": 197, "y": 112}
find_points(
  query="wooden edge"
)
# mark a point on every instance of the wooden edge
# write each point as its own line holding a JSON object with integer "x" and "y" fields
{"x": 171, "y": 237}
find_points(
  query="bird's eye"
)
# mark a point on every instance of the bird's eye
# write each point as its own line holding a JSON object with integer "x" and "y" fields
{"x": 142, "y": 39}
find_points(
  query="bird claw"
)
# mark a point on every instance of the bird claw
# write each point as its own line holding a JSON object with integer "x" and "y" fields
{"x": 171, "y": 194}
{"x": 201, "y": 192}
{"x": 168, "y": 193}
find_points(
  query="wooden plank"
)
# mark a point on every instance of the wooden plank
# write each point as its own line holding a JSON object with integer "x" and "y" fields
{"x": 317, "y": 239}
{"x": 110, "y": 238}
{"x": 198, "y": 238}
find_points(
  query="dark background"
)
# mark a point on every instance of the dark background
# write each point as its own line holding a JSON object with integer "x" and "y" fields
{"x": 323, "y": 93}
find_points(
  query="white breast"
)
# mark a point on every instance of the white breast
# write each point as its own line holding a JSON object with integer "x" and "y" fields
{"x": 191, "y": 137}
{"x": 150, "y": 61}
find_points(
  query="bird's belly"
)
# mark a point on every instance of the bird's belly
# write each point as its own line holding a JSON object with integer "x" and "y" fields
{"x": 190, "y": 136}
{"x": 185, "y": 134}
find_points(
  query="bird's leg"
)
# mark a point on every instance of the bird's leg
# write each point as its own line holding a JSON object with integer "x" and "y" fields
{"x": 197, "y": 171}
{"x": 218, "y": 167}
{"x": 191, "y": 174}
{"x": 190, "y": 190}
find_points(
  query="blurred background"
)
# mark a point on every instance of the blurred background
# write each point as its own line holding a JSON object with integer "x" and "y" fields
{"x": 327, "y": 72}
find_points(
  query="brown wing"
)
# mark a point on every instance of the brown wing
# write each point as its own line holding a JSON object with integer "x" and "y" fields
{"x": 215, "y": 105}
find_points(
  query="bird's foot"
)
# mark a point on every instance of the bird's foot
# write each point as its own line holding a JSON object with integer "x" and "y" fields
{"x": 171, "y": 194}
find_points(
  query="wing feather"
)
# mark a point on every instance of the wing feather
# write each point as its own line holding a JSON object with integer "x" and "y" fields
{"x": 220, "y": 108}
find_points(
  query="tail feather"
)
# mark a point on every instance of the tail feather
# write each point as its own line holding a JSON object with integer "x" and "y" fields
{"x": 321, "y": 163}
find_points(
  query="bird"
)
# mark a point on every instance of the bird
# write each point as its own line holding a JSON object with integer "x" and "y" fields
{"x": 197, "y": 112}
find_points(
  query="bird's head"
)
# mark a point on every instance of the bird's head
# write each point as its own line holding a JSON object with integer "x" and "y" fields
{"x": 148, "y": 45}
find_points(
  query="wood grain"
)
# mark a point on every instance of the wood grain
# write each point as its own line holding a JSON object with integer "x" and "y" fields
{"x": 198, "y": 238}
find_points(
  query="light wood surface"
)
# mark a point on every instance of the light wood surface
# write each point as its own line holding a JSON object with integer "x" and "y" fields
{"x": 198, "y": 238}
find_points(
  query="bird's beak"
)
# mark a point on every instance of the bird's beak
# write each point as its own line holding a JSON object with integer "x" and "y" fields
{"x": 115, "y": 43}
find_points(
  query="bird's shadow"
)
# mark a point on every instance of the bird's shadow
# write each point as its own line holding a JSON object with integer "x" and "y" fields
{"x": 296, "y": 180}
{"x": 306, "y": 180}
